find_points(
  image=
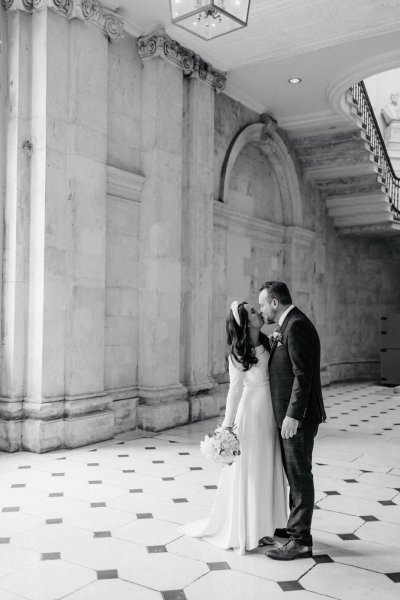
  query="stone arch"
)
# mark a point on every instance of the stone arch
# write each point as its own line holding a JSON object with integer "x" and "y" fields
{"x": 278, "y": 155}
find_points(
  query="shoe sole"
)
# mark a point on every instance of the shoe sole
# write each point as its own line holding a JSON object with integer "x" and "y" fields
{"x": 304, "y": 555}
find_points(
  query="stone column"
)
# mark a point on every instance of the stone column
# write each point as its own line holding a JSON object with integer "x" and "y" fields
{"x": 163, "y": 397}
{"x": 197, "y": 231}
{"x": 63, "y": 299}
{"x": 16, "y": 39}
{"x": 88, "y": 414}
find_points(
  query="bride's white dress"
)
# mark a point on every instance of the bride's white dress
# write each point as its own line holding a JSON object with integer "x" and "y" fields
{"x": 251, "y": 500}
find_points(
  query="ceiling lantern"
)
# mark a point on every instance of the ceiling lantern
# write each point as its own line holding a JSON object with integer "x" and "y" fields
{"x": 209, "y": 19}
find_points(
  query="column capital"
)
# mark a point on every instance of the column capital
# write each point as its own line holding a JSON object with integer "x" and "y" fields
{"x": 90, "y": 11}
{"x": 160, "y": 44}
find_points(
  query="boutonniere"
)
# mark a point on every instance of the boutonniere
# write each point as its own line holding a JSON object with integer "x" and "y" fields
{"x": 276, "y": 337}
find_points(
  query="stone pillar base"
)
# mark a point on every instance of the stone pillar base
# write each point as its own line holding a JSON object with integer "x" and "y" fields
{"x": 88, "y": 429}
{"x": 42, "y": 436}
{"x": 165, "y": 415}
{"x": 203, "y": 406}
{"x": 125, "y": 414}
{"x": 10, "y": 435}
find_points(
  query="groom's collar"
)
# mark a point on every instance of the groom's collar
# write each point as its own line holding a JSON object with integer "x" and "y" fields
{"x": 284, "y": 315}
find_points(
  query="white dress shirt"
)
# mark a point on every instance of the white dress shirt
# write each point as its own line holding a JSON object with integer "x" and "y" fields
{"x": 284, "y": 315}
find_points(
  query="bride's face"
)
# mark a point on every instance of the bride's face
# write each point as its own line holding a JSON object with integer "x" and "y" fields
{"x": 255, "y": 319}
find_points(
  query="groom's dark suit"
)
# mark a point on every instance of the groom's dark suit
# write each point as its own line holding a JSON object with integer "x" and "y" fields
{"x": 294, "y": 375}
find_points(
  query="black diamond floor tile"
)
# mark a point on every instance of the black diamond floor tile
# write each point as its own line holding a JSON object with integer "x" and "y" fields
{"x": 322, "y": 558}
{"x": 348, "y": 536}
{"x": 211, "y": 487}
{"x": 387, "y": 503}
{"x": 150, "y": 447}
{"x": 136, "y": 491}
{"x": 144, "y": 515}
{"x": 290, "y": 586}
{"x": 128, "y": 470}
{"x": 50, "y": 556}
{"x": 158, "y": 462}
{"x": 56, "y": 494}
{"x": 107, "y": 574}
{"x": 18, "y": 485}
{"x": 54, "y": 521}
{"x": 95, "y": 482}
{"x": 10, "y": 509}
{"x": 168, "y": 478}
{"x": 156, "y": 549}
{"x": 101, "y": 534}
{"x": 395, "y": 577}
{"x": 332, "y": 493}
{"x": 196, "y": 468}
{"x": 58, "y": 474}
{"x": 350, "y": 480}
{"x": 179, "y": 500}
{"x": 218, "y": 566}
{"x": 184, "y": 453}
{"x": 98, "y": 505}
{"x": 367, "y": 518}
{"x": 174, "y": 595}
{"x": 4, "y": 540}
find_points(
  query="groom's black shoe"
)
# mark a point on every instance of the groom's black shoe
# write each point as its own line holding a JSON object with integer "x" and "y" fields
{"x": 282, "y": 533}
{"x": 290, "y": 551}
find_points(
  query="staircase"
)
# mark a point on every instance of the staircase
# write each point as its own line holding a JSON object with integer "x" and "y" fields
{"x": 353, "y": 173}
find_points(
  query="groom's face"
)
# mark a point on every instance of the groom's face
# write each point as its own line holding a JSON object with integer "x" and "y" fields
{"x": 268, "y": 306}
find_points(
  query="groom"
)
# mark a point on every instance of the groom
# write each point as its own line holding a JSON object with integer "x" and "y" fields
{"x": 294, "y": 375}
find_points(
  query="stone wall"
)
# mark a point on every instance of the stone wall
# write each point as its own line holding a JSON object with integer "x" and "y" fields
{"x": 344, "y": 284}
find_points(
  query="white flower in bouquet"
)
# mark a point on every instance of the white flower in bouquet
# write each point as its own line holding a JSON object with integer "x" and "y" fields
{"x": 221, "y": 447}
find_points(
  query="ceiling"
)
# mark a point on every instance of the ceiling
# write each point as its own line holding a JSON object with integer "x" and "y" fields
{"x": 330, "y": 44}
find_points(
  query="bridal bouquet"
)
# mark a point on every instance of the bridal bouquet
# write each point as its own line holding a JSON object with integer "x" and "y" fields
{"x": 221, "y": 447}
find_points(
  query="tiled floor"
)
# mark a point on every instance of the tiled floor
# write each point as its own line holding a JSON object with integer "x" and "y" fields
{"x": 101, "y": 522}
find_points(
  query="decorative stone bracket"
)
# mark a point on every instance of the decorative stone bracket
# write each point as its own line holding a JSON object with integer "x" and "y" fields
{"x": 91, "y": 11}
{"x": 160, "y": 44}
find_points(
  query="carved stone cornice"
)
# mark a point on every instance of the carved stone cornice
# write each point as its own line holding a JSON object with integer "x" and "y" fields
{"x": 270, "y": 125}
{"x": 91, "y": 11}
{"x": 161, "y": 45}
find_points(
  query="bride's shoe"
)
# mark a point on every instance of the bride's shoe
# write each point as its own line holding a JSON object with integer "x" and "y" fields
{"x": 266, "y": 541}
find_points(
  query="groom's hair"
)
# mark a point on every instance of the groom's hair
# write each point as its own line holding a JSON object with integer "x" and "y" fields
{"x": 278, "y": 290}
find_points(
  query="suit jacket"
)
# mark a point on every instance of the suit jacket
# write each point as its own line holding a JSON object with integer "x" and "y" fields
{"x": 294, "y": 372}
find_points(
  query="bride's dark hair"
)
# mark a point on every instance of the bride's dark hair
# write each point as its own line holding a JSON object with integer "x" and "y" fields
{"x": 238, "y": 338}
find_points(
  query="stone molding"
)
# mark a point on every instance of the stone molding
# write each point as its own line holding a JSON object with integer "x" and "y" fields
{"x": 90, "y": 11}
{"x": 225, "y": 217}
{"x": 161, "y": 45}
{"x": 124, "y": 185}
{"x": 299, "y": 236}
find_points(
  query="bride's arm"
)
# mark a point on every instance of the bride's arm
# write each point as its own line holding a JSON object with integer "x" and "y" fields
{"x": 236, "y": 380}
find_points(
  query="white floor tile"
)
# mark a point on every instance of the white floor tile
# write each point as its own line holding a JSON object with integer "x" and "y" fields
{"x": 349, "y": 583}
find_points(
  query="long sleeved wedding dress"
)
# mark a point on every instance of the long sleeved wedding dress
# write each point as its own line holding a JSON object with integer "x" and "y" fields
{"x": 251, "y": 501}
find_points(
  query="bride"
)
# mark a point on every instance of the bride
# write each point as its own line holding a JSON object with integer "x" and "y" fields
{"x": 251, "y": 500}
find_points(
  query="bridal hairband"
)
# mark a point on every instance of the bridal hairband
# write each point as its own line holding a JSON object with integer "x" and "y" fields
{"x": 235, "y": 311}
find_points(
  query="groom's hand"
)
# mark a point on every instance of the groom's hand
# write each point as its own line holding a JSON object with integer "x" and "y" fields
{"x": 289, "y": 427}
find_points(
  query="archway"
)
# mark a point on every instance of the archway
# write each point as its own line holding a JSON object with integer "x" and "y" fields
{"x": 275, "y": 149}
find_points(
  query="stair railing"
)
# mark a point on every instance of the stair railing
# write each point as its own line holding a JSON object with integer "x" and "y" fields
{"x": 377, "y": 144}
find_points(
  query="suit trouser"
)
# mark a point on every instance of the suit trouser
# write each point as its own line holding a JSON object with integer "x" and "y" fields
{"x": 297, "y": 462}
